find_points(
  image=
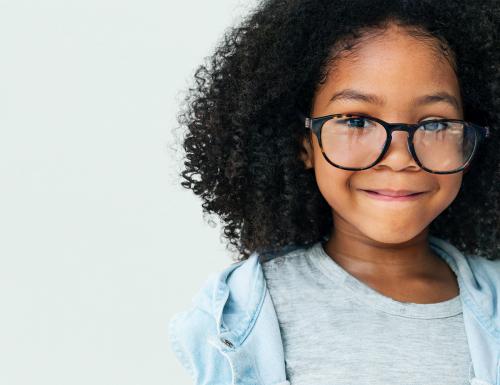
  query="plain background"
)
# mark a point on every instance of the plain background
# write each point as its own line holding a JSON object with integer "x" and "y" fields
{"x": 99, "y": 244}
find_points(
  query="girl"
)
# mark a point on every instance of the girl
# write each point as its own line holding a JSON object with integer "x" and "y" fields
{"x": 351, "y": 149}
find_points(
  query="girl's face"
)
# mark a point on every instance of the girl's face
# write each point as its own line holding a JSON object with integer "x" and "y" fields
{"x": 397, "y": 69}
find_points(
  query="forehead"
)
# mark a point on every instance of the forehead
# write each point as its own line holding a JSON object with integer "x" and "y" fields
{"x": 395, "y": 66}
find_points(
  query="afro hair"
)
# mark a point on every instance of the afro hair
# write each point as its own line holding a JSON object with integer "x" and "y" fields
{"x": 243, "y": 139}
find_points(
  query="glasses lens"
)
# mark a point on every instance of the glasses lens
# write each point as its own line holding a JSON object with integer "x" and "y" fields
{"x": 444, "y": 146}
{"x": 352, "y": 142}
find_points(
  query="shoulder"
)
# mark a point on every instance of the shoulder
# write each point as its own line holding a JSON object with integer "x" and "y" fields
{"x": 193, "y": 332}
{"x": 202, "y": 310}
{"x": 288, "y": 256}
{"x": 481, "y": 282}
{"x": 475, "y": 270}
{"x": 285, "y": 266}
{"x": 484, "y": 270}
{"x": 227, "y": 302}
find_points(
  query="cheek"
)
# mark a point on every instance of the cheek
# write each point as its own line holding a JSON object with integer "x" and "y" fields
{"x": 334, "y": 184}
{"x": 331, "y": 180}
{"x": 449, "y": 187}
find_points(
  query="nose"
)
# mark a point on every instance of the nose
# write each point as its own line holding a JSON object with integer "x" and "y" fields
{"x": 399, "y": 141}
{"x": 398, "y": 155}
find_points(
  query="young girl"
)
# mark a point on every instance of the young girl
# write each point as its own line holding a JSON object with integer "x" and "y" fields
{"x": 352, "y": 150}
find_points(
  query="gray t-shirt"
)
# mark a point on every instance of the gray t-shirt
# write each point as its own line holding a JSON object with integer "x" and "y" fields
{"x": 338, "y": 330}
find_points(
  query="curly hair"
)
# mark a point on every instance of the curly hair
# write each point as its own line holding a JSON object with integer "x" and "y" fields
{"x": 243, "y": 139}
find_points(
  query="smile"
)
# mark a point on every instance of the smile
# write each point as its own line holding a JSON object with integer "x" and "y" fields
{"x": 402, "y": 198}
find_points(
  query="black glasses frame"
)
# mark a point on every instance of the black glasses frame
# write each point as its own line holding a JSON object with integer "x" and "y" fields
{"x": 316, "y": 124}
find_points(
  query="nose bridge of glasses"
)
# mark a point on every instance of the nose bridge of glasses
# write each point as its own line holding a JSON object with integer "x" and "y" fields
{"x": 401, "y": 127}
{"x": 404, "y": 127}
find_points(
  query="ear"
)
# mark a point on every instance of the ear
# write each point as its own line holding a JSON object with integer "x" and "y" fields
{"x": 306, "y": 154}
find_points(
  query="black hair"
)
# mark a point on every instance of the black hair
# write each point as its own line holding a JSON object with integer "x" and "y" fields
{"x": 243, "y": 138}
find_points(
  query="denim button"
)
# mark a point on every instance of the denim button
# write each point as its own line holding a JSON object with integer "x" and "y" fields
{"x": 227, "y": 342}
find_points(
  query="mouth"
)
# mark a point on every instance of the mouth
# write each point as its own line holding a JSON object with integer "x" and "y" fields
{"x": 396, "y": 196}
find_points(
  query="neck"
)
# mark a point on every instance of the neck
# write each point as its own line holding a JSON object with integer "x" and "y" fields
{"x": 363, "y": 256}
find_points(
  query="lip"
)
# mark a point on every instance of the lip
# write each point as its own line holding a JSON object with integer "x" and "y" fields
{"x": 394, "y": 193}
{"x": 401, "y": 197}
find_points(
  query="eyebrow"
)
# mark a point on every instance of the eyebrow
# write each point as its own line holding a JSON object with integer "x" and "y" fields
{"x": 350, "y": 94}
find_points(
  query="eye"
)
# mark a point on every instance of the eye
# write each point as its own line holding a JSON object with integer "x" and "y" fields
{"x": 434, "y": 126}
{"x": 358, "y": 122}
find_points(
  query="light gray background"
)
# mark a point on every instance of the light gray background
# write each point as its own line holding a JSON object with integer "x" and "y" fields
{"x": 99, "y": 244}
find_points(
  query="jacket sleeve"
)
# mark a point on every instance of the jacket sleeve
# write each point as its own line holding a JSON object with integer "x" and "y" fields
{"x": 190, "y": 333}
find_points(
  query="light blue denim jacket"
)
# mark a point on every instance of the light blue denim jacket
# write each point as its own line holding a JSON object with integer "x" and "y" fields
{"x": 231, "y": 335}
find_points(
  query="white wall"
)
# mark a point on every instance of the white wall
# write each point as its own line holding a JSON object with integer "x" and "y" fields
{"x": 99, "y": 244}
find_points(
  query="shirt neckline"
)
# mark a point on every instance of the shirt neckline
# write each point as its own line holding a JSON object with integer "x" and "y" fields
{"x": 333, "y": 271}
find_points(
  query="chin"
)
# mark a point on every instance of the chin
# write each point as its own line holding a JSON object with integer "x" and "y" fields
{"x": 390, "y": 235}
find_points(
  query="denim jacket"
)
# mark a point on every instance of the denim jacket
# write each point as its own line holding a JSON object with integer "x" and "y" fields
{"x": 231, "y": 336}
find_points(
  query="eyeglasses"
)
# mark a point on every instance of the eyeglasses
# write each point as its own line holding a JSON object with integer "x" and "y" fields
{"x": 358, "y": 142}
